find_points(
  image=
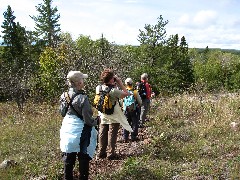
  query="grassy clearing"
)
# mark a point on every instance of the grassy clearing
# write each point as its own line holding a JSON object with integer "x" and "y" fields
{"x": 191, "y": 139}
{"x": 31, "y": 139}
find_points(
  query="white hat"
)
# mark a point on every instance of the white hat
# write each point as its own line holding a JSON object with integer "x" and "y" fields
{"x": 128, "y": 81}
{"x": 74, "y": 76}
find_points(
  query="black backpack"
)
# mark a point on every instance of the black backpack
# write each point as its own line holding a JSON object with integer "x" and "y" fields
{"x": 141, "y": 87}
{"x": 68, "y": 102}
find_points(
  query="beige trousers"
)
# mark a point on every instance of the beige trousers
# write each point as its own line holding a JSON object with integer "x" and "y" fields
{"x": 107, "y": 138}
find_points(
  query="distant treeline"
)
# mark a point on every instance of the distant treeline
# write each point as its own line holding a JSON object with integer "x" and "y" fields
{"x": 233, "y": 51}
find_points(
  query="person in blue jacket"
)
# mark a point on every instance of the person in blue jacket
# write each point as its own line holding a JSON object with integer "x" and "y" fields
{"x": 78, "y": 136}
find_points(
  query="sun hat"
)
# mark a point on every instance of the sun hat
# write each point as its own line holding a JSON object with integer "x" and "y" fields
{"x": 74, "y": 76}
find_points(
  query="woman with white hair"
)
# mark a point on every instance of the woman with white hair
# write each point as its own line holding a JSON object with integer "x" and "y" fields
{"x": 78, "y": 137}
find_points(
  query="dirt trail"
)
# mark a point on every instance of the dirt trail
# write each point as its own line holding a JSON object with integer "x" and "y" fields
{"x": 124, "y": 150}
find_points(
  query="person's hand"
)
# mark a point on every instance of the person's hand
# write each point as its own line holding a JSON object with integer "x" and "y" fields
{"x": 98, "y": 119}
{"x": 117, "y": 79}
{"x": 153, "y": 95}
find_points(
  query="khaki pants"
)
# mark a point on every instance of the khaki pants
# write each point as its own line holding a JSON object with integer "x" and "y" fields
{"x": 107, "y": 137}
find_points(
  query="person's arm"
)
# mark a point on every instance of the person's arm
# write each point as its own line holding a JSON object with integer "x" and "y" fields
{"x": 87, "y": 113}
{"x": 122, "y": 87}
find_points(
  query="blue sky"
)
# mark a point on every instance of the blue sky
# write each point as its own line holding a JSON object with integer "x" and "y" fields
{"x": 212, "y": 23}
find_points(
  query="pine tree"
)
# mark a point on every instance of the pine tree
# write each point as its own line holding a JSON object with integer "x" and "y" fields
{"x": 47, "y": 24}
{"x": 14, "y": 39}
{"x": 152, "y": 39}
{"x": 186, "y": 70}
{"x": 14, "y": 57}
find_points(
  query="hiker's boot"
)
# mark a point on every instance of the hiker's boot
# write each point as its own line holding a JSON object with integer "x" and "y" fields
{"x": 84, "y": 169}
{"x": 69, "y": 163}
{"x": 68, "y": 171}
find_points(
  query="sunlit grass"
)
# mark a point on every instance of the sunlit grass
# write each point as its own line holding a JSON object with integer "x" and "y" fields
{"x": 30, "y": 138}
{"x": 191, "y": 139}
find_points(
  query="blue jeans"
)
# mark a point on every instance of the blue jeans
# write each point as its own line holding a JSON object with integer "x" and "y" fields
{"x": 133, "y": 122}
{"x": 144, "y": 110}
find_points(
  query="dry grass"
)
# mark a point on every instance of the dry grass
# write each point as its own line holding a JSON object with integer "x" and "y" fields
{"x": 191, "y": 139}
{"x": 30, "y": 138}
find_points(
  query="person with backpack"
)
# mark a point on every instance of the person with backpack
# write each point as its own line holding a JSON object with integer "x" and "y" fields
{"x": 114, "y": 90}
{"x": 78, "y": 136}
{"x": 130, "y": 104}
{"x": 144, "y": 89}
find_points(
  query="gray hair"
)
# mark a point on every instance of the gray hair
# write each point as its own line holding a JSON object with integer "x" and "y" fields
{"x": 75, "y": 76}
{"x": 144, "y": 76}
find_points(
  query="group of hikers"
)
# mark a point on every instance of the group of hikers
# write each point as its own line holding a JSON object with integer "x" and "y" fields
{"x": 117, "y": 104}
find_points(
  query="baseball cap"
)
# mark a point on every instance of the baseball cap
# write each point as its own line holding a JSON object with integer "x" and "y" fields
{"x": 76, "y": 75}
{"x": 128, "y": 81}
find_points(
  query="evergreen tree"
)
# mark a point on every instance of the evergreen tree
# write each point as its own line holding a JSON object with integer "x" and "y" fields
{"x": 14, "y": 58}
{"x": 170, "y": 67}
{"x": 14, "y": 36}
{"x": 186, "y": 69}
{"x": 47, "y": 24}
{"x": 152, "y": 39}
{"x": 153, "y": 35}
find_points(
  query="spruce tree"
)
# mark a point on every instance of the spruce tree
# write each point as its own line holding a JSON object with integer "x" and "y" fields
{"x": 14, "y": 39}
{"x": 14, "y": 58}
{"x": 46, "y": 23}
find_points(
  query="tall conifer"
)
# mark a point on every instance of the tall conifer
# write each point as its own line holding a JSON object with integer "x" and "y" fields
{"x": 47, "y": 26}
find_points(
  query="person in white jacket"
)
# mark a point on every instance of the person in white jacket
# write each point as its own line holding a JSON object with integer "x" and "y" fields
{"x": 78, "y": 136}
{"x": 109, "y": 124}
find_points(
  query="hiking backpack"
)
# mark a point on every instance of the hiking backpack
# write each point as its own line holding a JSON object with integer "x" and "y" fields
{"x": 129, "y": 102}
{"x": 102, "y": 101}
{"x": 141, "y": 87}
{"x": 67, "y": 101}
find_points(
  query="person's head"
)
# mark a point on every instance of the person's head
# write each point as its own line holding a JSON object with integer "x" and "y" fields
{"x": 129, "y": 82}
{"x": 107, "y": 76}
{"x": 75, "y": 79}
{"x": 144, "y": 76}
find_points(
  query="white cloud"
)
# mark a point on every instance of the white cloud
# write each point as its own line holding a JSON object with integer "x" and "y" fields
{"x": 123, "y": 33}
{"x": 205, "y": 18}
{"x": 20, "y": 6}
{"x": 131, "y": 1}
{"x": 184, "y": 19}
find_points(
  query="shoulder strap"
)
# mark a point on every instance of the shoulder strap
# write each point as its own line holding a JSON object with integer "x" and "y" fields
{"x": 110, "y": 87}
{"x": 100, "y": 89}
{"x": 69, "y": 101}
